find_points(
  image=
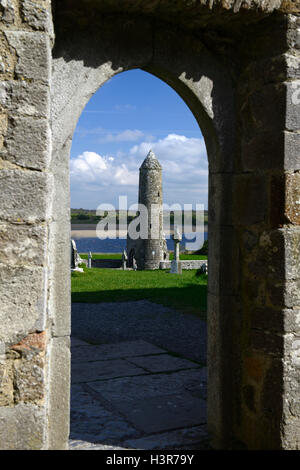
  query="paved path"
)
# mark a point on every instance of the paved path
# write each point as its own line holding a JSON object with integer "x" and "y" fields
{"x": 134, "y": 394}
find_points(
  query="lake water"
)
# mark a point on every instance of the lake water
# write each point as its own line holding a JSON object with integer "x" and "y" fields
{"x": 95, "y": 245}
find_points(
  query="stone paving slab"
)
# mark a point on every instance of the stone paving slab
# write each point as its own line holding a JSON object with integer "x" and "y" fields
{"x": 85, "y": 352}
{"x": 92, "y": 421}
{"x": 174, "y": 331}
{"x": 100, "y": 370}
{"x": 184, "y": 438}
{"x": 163, "y": 363}
{"x": 162, "y": 413}
{"x": 151, "y": 385}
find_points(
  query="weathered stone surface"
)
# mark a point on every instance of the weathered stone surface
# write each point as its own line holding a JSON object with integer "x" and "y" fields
{"x": 28, "y": 193}
{"x": 161, "y": 413}
{"x": 6, "y": 383}
{"x": 27, "y": 143}
{"x": 85, "y": 352}
{"x": 292, "y": 150}
{"x": 275, "y": 320}
{"x": 144, "y": 387}
{"x": 23, "y": 244}
{"x": 102, "y": 370}
{"x": 35, "y": 342}
{"x": 171, "y": 440}
{"x": 8, "y": 59}
{"x": 248, "y": 208}
{"x": 23, "y": 305}
{"x": 162, "y": 363}
{"x": 23, "y": 427}
{"x": 292, "y": 203}
{"x": 33, "y": 53}
{"x": 36, "y": 15}
{"x": 29, "y": 379}
{"x": 265, "y": 259}
{"x": 59, "y": 394}
{"x": 8, "y": 11}
{"x": 90, "y": 420}
{"x": 24, "y": 98}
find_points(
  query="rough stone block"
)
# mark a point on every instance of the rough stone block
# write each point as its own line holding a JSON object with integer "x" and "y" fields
{"x": 33, "y": 53}
{"x": 27, "y": 143}
{"x": 29, "y": 379}
{"x": 284, "y": 294}
{"x": 250, "y": 199}
{"x": 6, "y": 383}
{"x": 25, "y": 99}
{"x": 23, "y": 244}
{"x": 292, "y": 150}
{"x": 23, "y": 301}
{"x": 267, "y": 342}
{"x": 25, "y": 196}
{"x": 220, "y": 198}
{"x": 275, "y": 320}
{"x": 59, "y": 398}
{"x": 22, "y": 427}
{"x": 36, "y": 15}
{"x": 8, "y": 11}
{"x": 162, "y": 363}
{"x": 277, "y": 255}
{"x": 265, "y": 110}
{"x": 179, "y": 439}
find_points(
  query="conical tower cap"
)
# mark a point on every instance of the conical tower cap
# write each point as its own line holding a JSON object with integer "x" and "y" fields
{"x": 151, "y": 162}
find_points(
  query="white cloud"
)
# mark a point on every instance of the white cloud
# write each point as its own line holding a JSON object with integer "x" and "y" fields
{"x": 92, "y": 167}
{"x": 184, "y": 162}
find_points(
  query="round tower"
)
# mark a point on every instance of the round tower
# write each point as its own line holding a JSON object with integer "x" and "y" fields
{"x": 151, "y": 250}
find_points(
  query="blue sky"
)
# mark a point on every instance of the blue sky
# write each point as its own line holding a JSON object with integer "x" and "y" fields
{"x": 131, "y": 113}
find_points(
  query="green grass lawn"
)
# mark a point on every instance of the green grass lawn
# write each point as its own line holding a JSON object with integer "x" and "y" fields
{"x": 119, "y": 256}
{"x": 186, "y": 292}
{"x": 102, "y": 256}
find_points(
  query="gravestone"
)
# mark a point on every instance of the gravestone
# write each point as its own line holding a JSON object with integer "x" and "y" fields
{"x": 75, "y": 258}
{"x": 176, "y": 267}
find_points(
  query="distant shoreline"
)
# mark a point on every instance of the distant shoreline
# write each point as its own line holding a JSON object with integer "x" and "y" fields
{"x": 89, "y": 231}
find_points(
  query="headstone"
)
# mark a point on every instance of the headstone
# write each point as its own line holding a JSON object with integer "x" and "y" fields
{"x": 124, "y": 260}
{"x": 203, "y": 268}
{"x": 176, "y": 267}
{"x": 90, "y": 260}
{"x": 75, "y": 258}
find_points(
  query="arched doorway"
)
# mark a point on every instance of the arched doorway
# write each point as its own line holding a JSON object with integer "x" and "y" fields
{"x": 196, "y": 68}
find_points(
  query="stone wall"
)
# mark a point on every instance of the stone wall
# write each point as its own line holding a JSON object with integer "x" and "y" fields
{"x": 185, "y": 264}
{"x": 106, "y": 263}
{"x": 27, "y": 336}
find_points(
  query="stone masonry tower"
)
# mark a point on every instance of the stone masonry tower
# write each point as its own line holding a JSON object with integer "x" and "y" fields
{"x": 152, "y": 249}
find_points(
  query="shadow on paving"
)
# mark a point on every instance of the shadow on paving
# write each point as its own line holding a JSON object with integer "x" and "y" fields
{"x": 135, "y": 395}
{"x": 189, "y": 298}
{"x": 114, "y": 322}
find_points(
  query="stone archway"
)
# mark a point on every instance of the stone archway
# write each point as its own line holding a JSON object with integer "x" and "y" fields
{"x": 236, "y": 66}
{"x": 79, "y": 70}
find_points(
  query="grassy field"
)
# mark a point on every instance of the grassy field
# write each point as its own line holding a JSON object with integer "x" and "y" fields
{"x": 186, "y": 292}
{"x": 119, "y": 256}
